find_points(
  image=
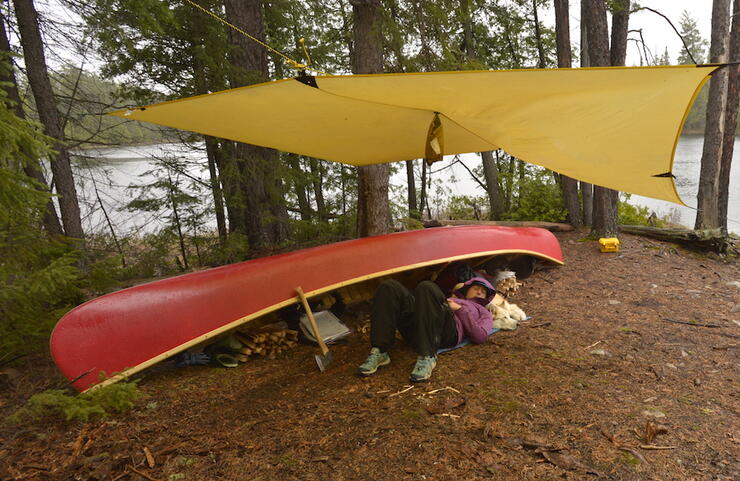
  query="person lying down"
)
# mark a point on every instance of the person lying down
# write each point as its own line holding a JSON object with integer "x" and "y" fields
{"x": 427, "y": 320}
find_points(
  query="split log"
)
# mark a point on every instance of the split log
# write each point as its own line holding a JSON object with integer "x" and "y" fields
{"x": 268, "y": 342}
{"x": 551, "y": 226}
{"x": 704, "y": 240}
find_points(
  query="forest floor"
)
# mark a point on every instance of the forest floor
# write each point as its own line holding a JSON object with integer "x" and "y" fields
{"x": 578, "y": 393}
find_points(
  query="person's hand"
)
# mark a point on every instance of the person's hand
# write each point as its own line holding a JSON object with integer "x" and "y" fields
{"x": 453, "y": 305}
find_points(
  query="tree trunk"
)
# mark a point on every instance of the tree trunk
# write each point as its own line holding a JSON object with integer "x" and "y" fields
{"x": 31, "y": 167}
{"x": 218, "y": 200}
{"x": 728, "y": 141}
{"x": 605, "y": 212}
{"x": 199, "y": 42}
{"x": 597, "y": 32}
{"x": 707, "y": 215}
{"x": 299, "y": 185}
{"x": 317, "y": 175}
{"x": 568, "y": 186}
{"x": 178, "y": 225}
{"x": 467, "y": 27}
{"x": 562, "y": 34}
{"x": 423, "y": 193}
{"x": 428, "y": 188}
{"x": 605, "y": 200}
{"x": 620, "y": 20}
{"x": 38, "y": 78}
{"x": 587, "y": 197}
{"x": 542, "y": 62}
{"x": 230, "y": 181}
{"x": 703, "y": 240}
{"x": 265, "y": 216}
{"x": 278, "y": 222}
{"x": 490, "y": 171}
{"x": 373, "y": 213}
{"x": 510, "y": 185}
{"x": 425, "y": 52}
{"x": 414, "y": 212}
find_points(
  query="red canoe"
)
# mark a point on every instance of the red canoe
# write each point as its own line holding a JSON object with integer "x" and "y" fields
{"x": 127, "y": 331}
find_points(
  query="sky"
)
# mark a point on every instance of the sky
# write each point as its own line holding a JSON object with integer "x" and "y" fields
{"x": 656, "y": 31}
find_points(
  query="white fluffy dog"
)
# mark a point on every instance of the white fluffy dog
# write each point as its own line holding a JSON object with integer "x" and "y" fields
{"x": 505, "y": 315}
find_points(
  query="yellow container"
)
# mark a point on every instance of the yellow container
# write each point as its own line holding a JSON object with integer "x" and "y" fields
{"x": 609, "y": 244}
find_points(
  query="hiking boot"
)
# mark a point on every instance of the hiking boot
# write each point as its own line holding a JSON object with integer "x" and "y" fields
{"x": 423, "y": 368}
{"x": 373, "y": 362}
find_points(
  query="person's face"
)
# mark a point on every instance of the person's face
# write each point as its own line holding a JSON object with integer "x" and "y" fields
{"x": 476, "y": 290}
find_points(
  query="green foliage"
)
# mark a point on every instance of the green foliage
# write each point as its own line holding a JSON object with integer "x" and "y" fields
{"x": 411, "y": 223}
{"x": 540, "y": 198}
{"x": 628, "y": 214}
{"x": 33, "y": 299}
{"x": 697, "y": 118}
{"x": 103, "y": 275}
{"x": 57, "y": 404}
{"x": 152, "y": 255}
{"x": 465, "y": 207}
{"x": 692, "y": 36}
{"x": 85, "y": 98}
{"x": 235, "y": 249}
{"x": 664, "y": 59}
{"x": 168, "y": 197}
{"x": 311, "y": 233}
{"x": 37, "y": 275}
{"x": 158, "y": 45}
{"x": 454, "y": 35}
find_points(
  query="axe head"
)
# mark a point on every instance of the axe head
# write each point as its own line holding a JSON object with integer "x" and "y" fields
{"x": 324, "y": 361}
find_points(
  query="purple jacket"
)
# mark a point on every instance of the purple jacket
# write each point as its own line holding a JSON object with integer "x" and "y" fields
{"x": 473, "y": 320}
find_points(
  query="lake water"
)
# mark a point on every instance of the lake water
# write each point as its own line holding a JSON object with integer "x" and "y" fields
{"x": 686, "y": 168}
{"x": 113, "y": 170}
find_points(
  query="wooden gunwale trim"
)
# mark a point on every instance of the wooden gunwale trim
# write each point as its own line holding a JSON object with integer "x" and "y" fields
{"x": 243, "y": 320}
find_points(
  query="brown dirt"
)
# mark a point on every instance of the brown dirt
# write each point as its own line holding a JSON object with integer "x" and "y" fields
{"x": 569, "y": 399}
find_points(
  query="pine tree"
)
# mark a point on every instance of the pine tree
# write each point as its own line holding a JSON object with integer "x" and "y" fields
{"x": 38, "y": 78}
{"x": 37, "y": 275}
{"x": 664, "y": 59}
{"x": 696, "y": 44}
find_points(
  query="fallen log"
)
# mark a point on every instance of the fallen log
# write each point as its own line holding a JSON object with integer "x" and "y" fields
{"x": 704, "y": 240}
{"x": 551, "y": 226}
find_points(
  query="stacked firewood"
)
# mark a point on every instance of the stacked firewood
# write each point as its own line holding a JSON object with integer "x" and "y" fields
{"x": 506, "y": 283}
{"x": 267, "y": 342}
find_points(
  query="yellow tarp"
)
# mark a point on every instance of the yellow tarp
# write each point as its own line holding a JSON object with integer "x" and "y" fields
{"x": 614, "y": 127}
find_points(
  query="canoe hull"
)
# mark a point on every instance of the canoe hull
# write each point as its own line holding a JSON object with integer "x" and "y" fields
{"x": 124, "y": 332}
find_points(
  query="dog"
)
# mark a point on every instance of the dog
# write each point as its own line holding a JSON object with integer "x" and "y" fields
{"x": 505, "y": 314}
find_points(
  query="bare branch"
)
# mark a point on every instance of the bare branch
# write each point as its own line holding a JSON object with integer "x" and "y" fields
{"x": 686, "y": 47}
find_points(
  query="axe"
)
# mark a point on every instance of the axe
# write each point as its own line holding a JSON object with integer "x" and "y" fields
{"x": 325, "y": 358}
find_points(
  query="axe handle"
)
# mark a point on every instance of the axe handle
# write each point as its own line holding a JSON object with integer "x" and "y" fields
{"x": 312, "y": 320}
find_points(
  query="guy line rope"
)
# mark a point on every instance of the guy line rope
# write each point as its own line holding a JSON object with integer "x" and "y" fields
{"x": 298, "y": 66}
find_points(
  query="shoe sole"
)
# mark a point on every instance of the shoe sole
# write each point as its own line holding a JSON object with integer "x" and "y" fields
{"x": 370, "y": 373}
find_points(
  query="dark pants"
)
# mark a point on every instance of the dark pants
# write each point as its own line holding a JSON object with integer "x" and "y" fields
{"x": 423, "y": 318}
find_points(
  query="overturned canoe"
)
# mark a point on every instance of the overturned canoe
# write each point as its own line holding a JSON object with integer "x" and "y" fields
{"x": 119, "y": 334}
